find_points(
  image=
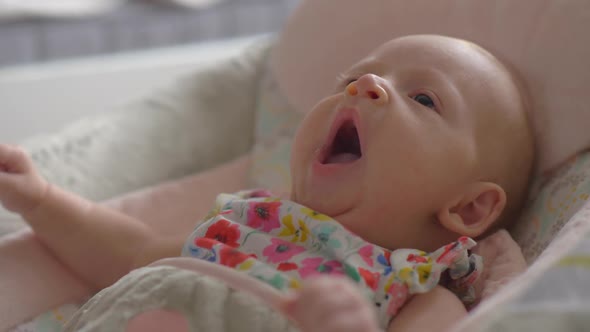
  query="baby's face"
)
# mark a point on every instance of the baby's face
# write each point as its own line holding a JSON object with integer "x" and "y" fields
{"x": 399, "y": 137}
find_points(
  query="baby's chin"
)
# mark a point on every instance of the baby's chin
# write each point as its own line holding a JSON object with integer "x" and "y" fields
{"x": 334, "y": 206}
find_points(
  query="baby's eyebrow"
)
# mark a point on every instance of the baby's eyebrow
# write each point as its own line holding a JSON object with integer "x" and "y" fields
{"x": 370, "y": 64}
{"x": 366, "y": 65}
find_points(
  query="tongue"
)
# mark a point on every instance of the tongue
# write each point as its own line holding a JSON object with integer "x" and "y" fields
{"x": 341, "y": 158}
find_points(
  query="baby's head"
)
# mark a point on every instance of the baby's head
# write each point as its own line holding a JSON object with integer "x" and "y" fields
{"x": 423, "y": 141}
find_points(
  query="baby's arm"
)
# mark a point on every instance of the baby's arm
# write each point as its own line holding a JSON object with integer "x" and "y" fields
{"x": 335, "y": 304}
{"x": 437, "y": 310}
{"x": 98, "y": 244}
{"x": 441, "y": 308}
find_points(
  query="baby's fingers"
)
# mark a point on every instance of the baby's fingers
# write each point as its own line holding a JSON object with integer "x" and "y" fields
{"x": 330, "y": 304}
{"x": 14, "y": 160}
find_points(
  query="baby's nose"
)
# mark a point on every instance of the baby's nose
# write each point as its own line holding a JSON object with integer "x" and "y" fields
{"x": 368, "y": 86}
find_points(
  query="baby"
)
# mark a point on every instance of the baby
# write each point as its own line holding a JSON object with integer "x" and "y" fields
{"x": 424, "y": 144}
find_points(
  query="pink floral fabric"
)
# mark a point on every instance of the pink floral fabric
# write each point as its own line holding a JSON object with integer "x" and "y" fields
{"x": 283, "y": 243}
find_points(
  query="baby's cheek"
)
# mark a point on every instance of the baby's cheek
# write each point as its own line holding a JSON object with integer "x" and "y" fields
{"x": 369, "y": 224}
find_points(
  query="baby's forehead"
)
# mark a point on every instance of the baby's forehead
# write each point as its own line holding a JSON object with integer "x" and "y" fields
{"x": 432, "y": 50}
{"x": 474, "y": 73}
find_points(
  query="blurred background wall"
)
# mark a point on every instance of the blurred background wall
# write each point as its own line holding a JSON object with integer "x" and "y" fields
{"x": 63, "y": 60}
{"x": 32, "y": 33}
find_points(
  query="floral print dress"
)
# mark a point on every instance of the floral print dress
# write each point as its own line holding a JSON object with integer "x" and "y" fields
{"x": 282, "y": 243}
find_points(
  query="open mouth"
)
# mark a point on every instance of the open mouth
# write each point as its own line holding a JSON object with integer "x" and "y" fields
{"x": 345, "y": 146}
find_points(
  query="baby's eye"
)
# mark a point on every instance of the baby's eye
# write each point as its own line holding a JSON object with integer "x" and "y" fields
{"x": 343, "y": 80}
{"x": 346, "y": 82}
{"x": 424, "y": 100}
{"x": 350, "y": 80}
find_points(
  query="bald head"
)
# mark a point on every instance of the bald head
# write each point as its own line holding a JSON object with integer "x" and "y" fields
{"x": 507, "y": 144}
{"x": 497, "y": 108}
{"x": 503, "y": 130}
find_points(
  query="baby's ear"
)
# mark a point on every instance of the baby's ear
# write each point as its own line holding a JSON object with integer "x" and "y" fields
{"x": 475, "y": 211}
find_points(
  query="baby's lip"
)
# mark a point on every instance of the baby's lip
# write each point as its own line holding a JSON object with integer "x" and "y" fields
{"x": 344, "y": 143}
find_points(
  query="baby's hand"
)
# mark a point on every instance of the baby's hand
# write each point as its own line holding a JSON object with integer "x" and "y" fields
{"x": 21, "y": 188}
{"x": 329, "y": 304}
{"x": 503, "y": 261}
